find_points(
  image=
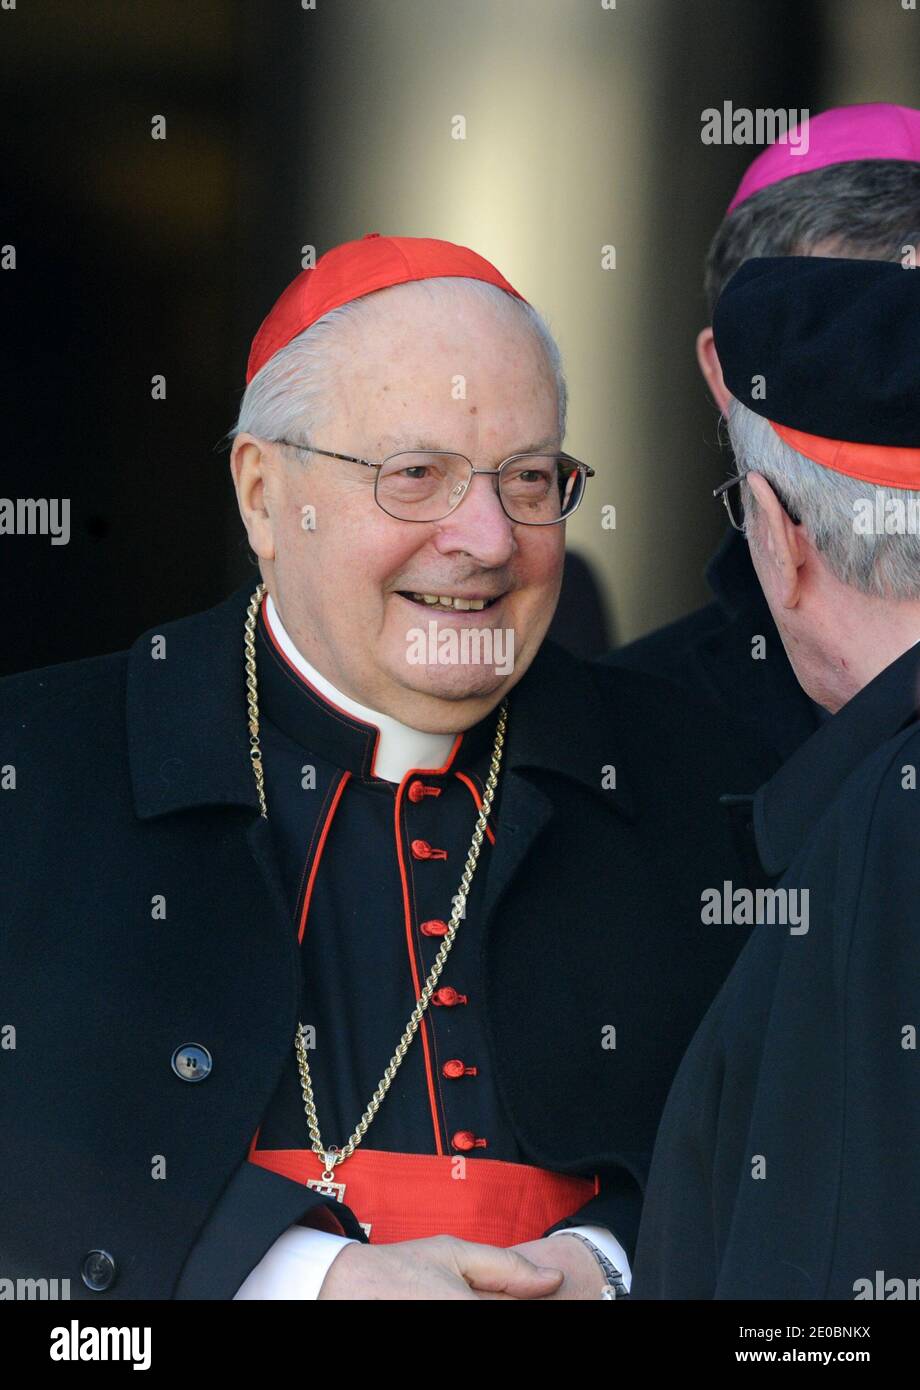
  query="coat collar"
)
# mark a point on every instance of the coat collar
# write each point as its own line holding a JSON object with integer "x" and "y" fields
{"x": 187, "y": 730}
{"x": 787, "y": 807}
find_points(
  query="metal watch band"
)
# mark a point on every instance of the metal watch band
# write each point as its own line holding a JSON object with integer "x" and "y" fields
{"x": 614, "y": 1287}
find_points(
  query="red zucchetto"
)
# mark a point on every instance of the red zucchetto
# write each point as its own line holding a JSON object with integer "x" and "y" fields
{"x": 357, "y": 268}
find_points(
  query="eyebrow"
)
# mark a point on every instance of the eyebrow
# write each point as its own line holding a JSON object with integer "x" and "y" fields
{"x": 400, "y": 444}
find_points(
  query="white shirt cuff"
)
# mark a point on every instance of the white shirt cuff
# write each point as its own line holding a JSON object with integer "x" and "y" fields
{"x": 606, "y": 1243}
{"x": 295, "y": 1266}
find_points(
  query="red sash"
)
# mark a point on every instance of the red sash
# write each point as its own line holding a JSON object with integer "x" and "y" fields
{"x": 412, "y": 1196}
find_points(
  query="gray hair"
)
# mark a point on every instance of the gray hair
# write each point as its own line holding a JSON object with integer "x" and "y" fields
{"x": 862, "y": 208}
{"x": 290, "y": 395}
{"x": 828, "y": 504}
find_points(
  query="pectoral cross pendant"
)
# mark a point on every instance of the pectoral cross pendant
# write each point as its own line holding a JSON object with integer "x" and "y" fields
{"x": 327, "y": 1184}
{"x": 329, "y": 1188}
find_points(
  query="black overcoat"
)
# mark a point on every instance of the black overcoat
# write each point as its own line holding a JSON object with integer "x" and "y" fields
{"x": 131, "y": 777}
{"x": 788, "y": 1161}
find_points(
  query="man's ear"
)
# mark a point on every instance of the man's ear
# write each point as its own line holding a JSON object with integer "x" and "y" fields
{"x": 780, "y": 541}
{"x": 711, "y": 368}
{"x": 248, "y": 468}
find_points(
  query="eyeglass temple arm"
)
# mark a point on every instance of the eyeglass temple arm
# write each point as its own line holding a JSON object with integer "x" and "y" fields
{"x": 327, "y": 453}
{"x": 585, "y": 467}
{"x": 786, "y": 506}
{"x": 723, "y": 487}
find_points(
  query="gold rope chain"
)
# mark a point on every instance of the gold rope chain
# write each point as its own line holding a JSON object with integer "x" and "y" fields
{"x": 331, "y": 1158}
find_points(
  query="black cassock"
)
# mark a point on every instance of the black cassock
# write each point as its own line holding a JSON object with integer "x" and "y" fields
{"x": 787, "y": 1164}
{"x": 369, "y": 871}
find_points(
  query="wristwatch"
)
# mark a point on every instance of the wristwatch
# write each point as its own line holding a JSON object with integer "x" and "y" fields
{"x": 615, "y": 1286}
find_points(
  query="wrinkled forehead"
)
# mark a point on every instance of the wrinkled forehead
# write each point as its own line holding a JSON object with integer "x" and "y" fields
{"x": 435, "y": 359}
{"x": 457, "y": 313}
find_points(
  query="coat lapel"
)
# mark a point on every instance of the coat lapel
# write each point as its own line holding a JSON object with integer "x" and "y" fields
{"x": 186, "y": 712}
{"x": 188, "y": 744}
{"x": 557, "y": 724}
{"x": 524, "y": 813}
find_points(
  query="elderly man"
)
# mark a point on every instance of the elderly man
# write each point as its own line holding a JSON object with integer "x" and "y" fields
{"x": 352, "y": 932}
{"x": 787, "y": 1161}
{"x": 855, "y": 192}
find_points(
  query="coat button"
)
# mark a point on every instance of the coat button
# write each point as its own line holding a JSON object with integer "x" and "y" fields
{"x": 436, "y": 927}
{"x": 98, "y": 1270}
{"x": 192, "y": 1062}
{"x": 465, "y": 1139}
{"x": 448, "y": 997}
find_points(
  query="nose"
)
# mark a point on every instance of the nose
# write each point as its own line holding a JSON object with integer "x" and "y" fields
{"x": 478, "y": 525}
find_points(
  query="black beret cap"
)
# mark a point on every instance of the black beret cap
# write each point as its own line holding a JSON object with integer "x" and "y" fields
{"x": 836, "y": 342}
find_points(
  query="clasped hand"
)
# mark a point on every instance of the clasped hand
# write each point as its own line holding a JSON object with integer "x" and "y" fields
{"x": 443, "y": 1267}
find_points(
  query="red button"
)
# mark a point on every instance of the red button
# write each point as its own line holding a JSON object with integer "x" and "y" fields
{"x": 465, "y": 1139}
{"x": 448, "y": 997}
{"x": 421, "y": 849}
{"x": 455, "y": 1068}
{"x": 434, "y": 928}
{"x": 418, "y": 790}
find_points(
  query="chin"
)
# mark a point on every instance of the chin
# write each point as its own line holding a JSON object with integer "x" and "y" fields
{"x": 456, "y": 683}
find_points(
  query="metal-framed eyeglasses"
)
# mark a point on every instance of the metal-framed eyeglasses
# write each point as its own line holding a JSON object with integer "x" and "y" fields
{"x": 734, "y": 502}
{"x": 534, "y": 489}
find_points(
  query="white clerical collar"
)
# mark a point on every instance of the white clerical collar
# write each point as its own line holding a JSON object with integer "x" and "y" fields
{"x": 399, "y": 748}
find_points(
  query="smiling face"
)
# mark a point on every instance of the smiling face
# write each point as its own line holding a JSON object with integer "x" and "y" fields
{"x": 350, "y": 591}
